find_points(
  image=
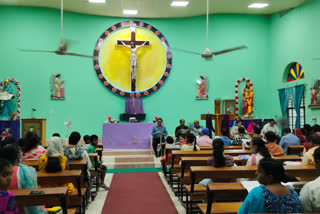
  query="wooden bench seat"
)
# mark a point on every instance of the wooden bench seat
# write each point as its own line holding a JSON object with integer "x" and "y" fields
{"x": 221, "y": 208}
{"x": 73, "y": 165}
{"x": 56, "y": 196}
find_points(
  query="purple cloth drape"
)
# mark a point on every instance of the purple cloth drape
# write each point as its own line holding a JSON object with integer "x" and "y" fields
{"x": 225, "y": 123}
{"x": 127, "y": 135}
{"x": 133, "y": 105}
{"x": 209, "y": 124}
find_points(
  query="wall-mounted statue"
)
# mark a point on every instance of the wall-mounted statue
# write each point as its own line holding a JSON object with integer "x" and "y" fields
{"x": 202, "y": 90}
{"x": 56, "y": 89}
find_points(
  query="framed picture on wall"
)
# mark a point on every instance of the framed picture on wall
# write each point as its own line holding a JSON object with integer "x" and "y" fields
{"x": 228, "y": 106}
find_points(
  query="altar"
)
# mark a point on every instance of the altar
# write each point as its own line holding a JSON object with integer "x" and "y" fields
{"x": 127, "y": 135}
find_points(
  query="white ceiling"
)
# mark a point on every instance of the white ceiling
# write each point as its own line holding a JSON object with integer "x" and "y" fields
{"x": 160, "y": 8}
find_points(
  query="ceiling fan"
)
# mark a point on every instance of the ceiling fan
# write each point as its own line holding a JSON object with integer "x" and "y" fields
{"x": 62, "y": 49}
{"x": 207, "y": 53}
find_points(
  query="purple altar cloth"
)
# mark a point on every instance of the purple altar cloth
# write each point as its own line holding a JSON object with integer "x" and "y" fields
{"x": 127, "y": 135}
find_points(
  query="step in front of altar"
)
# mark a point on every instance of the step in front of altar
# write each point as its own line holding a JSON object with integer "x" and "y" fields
{"x": 124, "y": 159}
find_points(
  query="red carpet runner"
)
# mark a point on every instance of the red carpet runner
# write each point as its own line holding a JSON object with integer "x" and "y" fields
{"x": 138, "y": 193}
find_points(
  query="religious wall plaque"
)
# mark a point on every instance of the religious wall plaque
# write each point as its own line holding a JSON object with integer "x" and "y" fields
{"x": 132, "y": 59}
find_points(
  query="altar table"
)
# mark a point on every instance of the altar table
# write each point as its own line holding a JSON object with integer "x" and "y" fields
{"x": 127, "y": 135}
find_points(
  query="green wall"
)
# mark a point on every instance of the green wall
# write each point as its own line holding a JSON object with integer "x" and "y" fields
{"x": 295, "y": 38}
{"x": 88, "y": 102}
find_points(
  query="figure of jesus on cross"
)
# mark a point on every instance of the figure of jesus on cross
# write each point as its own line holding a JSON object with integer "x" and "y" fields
{"x": 133, "y": 45}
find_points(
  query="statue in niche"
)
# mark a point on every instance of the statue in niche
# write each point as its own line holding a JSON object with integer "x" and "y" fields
{"x": 202, "y": 89}
{"x": 6, "y": 95}
{"x": 247, "y": 99}
{"x": 58, "y": 91}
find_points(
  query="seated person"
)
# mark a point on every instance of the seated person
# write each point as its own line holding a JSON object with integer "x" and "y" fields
{"x": 256, "y": 132}
{"x": 235, "y": 129}
{"x": 23, "y": 177}
{"x": 224, "y": 137}
{"x": 218, "y": 160}
{"x": 288, "y": 139}
{"x": 56, "y": 135}
{"x": 9, "y": 140}
{"x": 273, "y": 147}
{"x": 309, "y": 194}
{"x": 32, "y": 150}
{"x": 190, "y": 144}
{"x": 182, "y": 139}
{"x": 74, "y": 151}
{"x": 169, "y": 143}
{"x": 87, "y": 143}
{"x": 271, "y": 126}
{"x": 101, "y": 168}
{"x": 237, "y": 141}
{"x": 313, "y": 142}
{"x": 7, "y": 200}
{"x": 196, "y": 129}
{"x": 204, "y": 140}
{"x": 181, "y": 130}
{"x": 271, "y": 196}
{"x": 259, "y": 150}
{"x": 53, "y": 160}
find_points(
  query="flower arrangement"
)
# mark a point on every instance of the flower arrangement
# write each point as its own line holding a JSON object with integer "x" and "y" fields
{"x": 13, "y": 116}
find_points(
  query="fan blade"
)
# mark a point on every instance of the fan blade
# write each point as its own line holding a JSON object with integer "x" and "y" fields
{"x": 229, "y": 50}
{"x": 74, "y": 54}
{"x": 186, "y": 51}
{"x": 29, "y": 50}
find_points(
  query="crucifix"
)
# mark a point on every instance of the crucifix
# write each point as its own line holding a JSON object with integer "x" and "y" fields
{"x": 133, "y": 44}
{"x": 217, "y": 117}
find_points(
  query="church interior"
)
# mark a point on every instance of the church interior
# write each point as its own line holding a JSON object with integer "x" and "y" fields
{"x": 171, "y": 106}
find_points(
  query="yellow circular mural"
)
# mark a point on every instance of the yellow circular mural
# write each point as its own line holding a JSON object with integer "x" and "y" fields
{"x": 113, "y": 59}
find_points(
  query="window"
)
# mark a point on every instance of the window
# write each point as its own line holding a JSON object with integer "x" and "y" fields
{"x": 292, "y": 114}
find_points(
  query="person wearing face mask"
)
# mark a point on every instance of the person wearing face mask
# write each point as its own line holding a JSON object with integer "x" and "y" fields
{"x": 271, "y": 196}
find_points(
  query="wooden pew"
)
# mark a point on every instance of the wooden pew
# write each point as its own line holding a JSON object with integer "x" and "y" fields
{"x": 61, "y": 178}
{"x": 176, "y": 155}
{"x": 187, "y": 162}
{"x": 73, "y": 165}
{"x": 230, "y": 191}
{"x": 295, "y": 149}
{"x": 56, "y": 196}
{"x": 94, "y": 158}
{"x": 197, "y": 173}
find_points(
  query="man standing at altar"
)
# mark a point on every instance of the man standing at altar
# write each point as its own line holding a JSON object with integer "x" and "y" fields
{"x": 159, "y": 132}
{"x": 271, "y": 126}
